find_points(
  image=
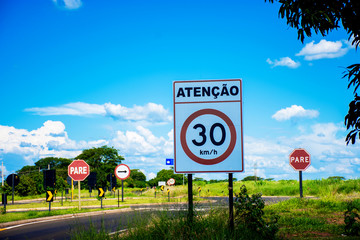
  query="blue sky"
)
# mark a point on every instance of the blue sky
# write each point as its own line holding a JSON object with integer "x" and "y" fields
{"x": 77, "y": 74}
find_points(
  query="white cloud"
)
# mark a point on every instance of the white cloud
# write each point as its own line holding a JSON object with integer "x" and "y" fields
{"x": 142, "y": 142}
{"x": 75, "y": 109}
{"x": 294, "y": 111}
{"x": 68, "y": 4}
{"x": 51, "y": 139}
{"x": 149, "y": 113}
{"x": 323, "y": 49}
{"x": 284, "y": 62}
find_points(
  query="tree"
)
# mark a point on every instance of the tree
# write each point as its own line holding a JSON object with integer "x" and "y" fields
{"x": 103, "y": 161}
{"x": 59, "y": 164}
{"x": 323, "y": 16}
{"x": 166, "y": 174}
{"x": 53, "y": 162}
{"x": 136, "y": 179}
{"x": 252, "y": 178}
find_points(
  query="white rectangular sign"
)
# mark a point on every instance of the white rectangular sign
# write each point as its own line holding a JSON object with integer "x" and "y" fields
{"x": 161, "y": 183}
{"x": 208, "y": 126}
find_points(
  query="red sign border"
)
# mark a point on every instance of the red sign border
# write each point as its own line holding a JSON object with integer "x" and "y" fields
{"x": 297, "y": 149}
{"x": 127, "y": 168}
{"x": 78, "y": 160}
{"x": 186, "y": 148}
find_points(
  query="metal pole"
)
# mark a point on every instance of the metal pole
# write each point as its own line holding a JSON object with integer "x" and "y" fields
{"x": 79, "y": 195}
{"x": 190, "y": 198}
{"x": 72, "y": 189}
{"x": 122, "y": 190}
{"x": 2, "y": 173}
{"x": 231, "y": 203}
{"x": 118, "y": 198}
{"x": 62, "y": 197}
{"x": 49, "y": 206}
{"x": 13, "y": 188}
{"x": 101, "y": 202}
{"x": 300, "y": 181}
{"x": 4, "y": 198}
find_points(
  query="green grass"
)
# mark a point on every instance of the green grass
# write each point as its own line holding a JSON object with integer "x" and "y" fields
{"x": 163, "y": 225}
{"x": 299, "y": 219}
{"x": 311, "y": 218}
{"x": 319, "y": 188}
{"x": 333, "y": 195}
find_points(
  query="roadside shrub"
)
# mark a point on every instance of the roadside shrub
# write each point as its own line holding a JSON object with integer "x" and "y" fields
{"x": 352, "y": 225}
{"x": 249, "y": 212}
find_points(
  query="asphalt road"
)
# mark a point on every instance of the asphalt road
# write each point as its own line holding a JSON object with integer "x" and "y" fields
{"x": 60, "y": 228}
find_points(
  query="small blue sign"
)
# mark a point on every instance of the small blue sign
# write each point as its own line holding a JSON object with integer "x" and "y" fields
{"x": 169, "y": 161}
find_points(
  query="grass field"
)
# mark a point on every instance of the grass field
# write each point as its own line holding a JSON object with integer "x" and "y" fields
{"x": 322, "y": 217}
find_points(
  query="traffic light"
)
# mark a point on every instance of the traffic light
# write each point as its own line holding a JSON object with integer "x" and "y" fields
{"x": 112, "y": 179}
{"x": 49, "y": 178}
{"x": 92, "y": 180}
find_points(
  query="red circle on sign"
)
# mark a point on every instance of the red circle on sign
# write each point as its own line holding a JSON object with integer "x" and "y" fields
{"x": 186, "y": 148}
{"x": 125, "y": 170}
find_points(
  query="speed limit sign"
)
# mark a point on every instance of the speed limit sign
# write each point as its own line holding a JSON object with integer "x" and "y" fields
{"x": 208, "y": 126}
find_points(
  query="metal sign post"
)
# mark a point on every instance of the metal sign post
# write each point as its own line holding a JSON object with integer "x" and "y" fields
{"x": 122, "y": 190}
{"x": 300, "y": 184}
{"x": 208, "y": 131}
{"x": 13, "y": 187}
{"x": 4, "y": 200}
{"x": 231, "y": 203}
{"x": 79, "y": 196}
{"x": 190, "y": 199}
{"x": 72, "y": 189}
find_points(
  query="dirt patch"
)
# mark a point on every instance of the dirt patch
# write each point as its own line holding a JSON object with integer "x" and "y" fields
{"x": 336, "y": 218}
{"x": 309, "y": 234}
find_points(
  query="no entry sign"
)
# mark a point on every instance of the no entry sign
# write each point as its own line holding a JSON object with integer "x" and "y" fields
{"x": 208, "y": 126}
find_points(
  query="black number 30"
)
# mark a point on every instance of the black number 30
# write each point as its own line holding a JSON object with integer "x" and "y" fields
{"x": 212, "y": 139}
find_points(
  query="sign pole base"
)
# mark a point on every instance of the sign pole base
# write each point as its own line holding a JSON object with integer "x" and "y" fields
{"x": 231, "y": 203}
{"x": 190, "y": 198}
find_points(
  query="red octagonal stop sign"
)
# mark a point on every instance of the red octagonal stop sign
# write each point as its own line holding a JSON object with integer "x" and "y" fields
{"x": 78, "y": 170}
{"x": 300, "y": 159}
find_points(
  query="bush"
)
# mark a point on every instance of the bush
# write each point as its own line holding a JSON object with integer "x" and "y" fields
{"x": 249, "y": 212}
{"x": 352, "y": 226}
